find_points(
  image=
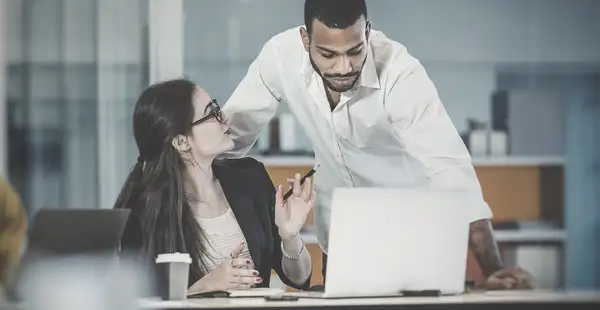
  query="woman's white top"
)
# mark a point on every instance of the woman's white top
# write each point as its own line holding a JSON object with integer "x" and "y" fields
{"x": 224, "y": 235}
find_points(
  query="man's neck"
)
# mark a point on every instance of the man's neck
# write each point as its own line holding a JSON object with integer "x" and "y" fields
{"x": 333, "y": 98}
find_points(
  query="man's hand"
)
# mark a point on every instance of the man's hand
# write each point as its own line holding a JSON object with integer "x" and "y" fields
{"x": 509, "y": 279}
{"x": 484, "y": 246}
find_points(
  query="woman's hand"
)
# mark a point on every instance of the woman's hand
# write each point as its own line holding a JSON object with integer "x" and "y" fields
{"x": 231, "y": 274}
{"x": 290, "y": 215}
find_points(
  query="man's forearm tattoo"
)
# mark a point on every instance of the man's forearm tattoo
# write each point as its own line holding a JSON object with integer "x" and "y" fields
{"x": 484, "y": 246}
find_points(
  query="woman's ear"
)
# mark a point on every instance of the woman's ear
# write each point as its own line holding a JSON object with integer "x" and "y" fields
{"x": 180, "y": 143}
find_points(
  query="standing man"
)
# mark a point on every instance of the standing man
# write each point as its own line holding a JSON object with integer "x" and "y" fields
{"x": 371, "y": 112}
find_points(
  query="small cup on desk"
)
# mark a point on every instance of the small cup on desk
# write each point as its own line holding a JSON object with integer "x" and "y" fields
{"x": 173, "y": 270}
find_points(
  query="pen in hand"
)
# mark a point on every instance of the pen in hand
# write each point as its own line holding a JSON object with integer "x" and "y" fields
{"x": 306, "y": 176}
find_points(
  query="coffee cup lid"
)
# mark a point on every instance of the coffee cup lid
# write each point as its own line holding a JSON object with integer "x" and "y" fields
{"x": 174, "y": 258}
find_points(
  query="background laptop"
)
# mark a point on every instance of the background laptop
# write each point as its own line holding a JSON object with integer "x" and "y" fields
{"x": 77, "y": 231}
{"x": 384, "y": 241}
{"x": 64, "y": 232}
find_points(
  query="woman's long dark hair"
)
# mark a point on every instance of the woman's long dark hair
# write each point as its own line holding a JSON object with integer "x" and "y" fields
{"x": 154, "y": 188}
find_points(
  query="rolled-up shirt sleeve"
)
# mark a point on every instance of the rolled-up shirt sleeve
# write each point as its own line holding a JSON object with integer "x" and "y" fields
{"x": 254, "y": 102}
{"x": 429, "y": 136}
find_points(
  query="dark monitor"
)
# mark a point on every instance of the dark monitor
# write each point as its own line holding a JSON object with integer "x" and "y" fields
{"x": 77, "y": 231}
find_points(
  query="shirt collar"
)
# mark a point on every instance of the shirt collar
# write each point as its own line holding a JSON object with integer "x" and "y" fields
{"x": 368, "y": 77}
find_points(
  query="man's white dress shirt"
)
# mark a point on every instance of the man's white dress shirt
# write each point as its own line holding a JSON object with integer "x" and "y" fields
{"x": 391, "y": 130}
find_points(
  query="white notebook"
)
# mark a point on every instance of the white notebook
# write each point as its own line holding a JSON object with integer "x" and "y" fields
{"x": 256, "y": 292}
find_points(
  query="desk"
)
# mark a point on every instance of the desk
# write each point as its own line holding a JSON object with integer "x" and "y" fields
{"x": 473, "y": 301}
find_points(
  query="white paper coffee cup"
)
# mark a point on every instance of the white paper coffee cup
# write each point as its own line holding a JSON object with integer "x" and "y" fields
{"x": 173, "y": 274}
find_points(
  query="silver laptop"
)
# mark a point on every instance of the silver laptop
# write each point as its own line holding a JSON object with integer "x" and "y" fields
{"x": 392, "y": 242}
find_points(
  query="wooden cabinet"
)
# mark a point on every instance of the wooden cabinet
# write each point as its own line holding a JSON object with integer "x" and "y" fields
{"x": 514, "y": 193}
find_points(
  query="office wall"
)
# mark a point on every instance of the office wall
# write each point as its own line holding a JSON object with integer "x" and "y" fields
{"x": 469, "y": 39}
{"x": 122, "y": 40}
{"x": 461, "y": 42}
{"x": 78, "y": 26}
{"x": 3, "y": 129}
{"x": 13, "y": 21}
{"x": 435, "y": 30}
{"x": 76, "y": 67}
{"x": 166, "y": 39}
{"x": 582, "y": 198}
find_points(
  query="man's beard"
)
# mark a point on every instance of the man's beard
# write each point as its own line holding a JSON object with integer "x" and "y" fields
{"x": 329, "y": 85}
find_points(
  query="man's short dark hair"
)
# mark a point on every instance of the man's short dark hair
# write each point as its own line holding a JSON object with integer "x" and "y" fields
{"x": 338, "y": 14}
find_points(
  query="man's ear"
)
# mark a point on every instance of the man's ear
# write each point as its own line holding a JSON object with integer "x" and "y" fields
{"x": 180, "y": 143}
{"x": 368, "y": 30}
{"x": 305, "y": 38}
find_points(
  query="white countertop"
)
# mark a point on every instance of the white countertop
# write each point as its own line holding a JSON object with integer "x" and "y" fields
{"x": 276, "y": 160}
{"x": 471, "y": 298}
{"x": 502, "y": 235}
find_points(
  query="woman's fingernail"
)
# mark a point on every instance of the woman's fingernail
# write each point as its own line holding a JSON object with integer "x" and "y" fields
{"x": 259, "y": 279}
{"x": 248, "y": 262}
{"x": 254, "y": 273}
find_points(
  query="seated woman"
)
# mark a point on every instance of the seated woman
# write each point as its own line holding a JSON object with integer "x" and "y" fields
{"x": 225, "y": 213}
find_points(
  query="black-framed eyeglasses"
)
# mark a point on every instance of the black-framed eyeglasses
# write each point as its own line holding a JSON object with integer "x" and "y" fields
{"x": 215, "y": 111}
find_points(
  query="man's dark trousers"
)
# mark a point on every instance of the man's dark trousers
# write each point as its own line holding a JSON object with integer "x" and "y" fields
{"x": 321, "y": 288}
{"x": 324, "y": 268}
